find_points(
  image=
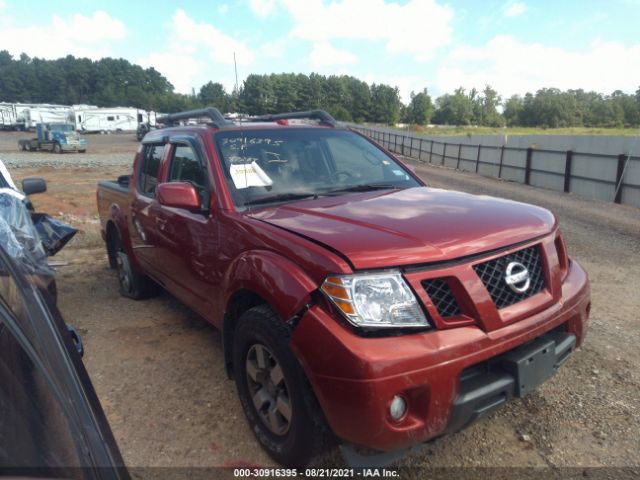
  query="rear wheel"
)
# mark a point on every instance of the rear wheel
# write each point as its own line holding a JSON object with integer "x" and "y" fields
{"x": 275, "y": 395}
{"x": 132, "y": 284}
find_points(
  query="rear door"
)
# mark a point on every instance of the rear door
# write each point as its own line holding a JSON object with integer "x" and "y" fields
{"x": 142, "y": 223}
{"x": 188, "y": 240}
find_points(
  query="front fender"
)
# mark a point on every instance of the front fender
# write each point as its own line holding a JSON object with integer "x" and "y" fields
{"x": 276, "y": 279}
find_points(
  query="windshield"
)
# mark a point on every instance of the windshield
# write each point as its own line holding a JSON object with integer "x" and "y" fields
{"x": 264, "y": 166}
{"x": 61, "y": 127}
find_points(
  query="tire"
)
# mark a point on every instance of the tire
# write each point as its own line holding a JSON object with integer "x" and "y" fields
{"x": 57, "y": 148}
{"x": 277, "y": 400}
{"x": 82, "y": 151}
{"x": 23, "y": 147}
{"x": 132, "y": 284}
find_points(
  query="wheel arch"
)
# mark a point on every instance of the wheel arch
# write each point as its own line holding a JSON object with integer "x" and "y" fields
{"x": 262, "y": 277}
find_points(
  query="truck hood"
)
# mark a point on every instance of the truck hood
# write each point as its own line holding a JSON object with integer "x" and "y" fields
{"x": 411, "y": 226}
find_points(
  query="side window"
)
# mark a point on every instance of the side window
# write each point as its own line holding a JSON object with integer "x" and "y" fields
{"x": 185, "y": 167}
{"x": 149, "y": 167}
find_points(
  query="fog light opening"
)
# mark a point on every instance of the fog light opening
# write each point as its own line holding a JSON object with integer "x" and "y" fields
{"x": 398, "y": 408}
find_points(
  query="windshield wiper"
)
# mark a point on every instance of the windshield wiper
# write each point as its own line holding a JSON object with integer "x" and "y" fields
{"x": 365, "y": 187}
{"x": 281, "y": 197}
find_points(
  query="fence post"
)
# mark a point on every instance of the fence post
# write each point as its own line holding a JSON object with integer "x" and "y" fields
{"x": 444, "y": 154}
{"x": 459, "y": 152}
{"x": 404, "y": 139}
{"x": 420, "y": 149}
{"x": 478, "y": 157}
{"x": 395, "y": 143}
{"x": 621, "y": 161}
{"x": 501, "y": 158}
{"x": 430, "y": 151}
{"x": 567, "y": 171}
{"x": 527, "y": 166}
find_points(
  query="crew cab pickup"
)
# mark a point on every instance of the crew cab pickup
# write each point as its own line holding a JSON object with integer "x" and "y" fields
{"x": 356, "y": 303}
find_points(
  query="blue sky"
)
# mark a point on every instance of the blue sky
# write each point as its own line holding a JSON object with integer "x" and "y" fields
{"x": 514, "y": 45}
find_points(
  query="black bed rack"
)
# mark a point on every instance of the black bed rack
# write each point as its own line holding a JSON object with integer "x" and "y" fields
{"x": 217, "y": 119}
{"x": 320, "y": 115}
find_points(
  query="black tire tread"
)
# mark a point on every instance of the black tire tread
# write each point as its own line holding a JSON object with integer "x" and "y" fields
{"x": 322, "y": 436}
{"x": 142, "y": 286}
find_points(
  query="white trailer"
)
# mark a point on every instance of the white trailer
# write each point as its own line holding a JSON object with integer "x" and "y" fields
{"x": 118, "y": 119}
{"x": 29, "y": 115}
{"x": 8, "y": 118}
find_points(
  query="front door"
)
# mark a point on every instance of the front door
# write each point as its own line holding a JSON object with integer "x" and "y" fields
{"x": 188, "y": 240}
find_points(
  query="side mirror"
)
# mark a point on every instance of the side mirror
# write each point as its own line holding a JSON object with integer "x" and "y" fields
{"x": 178, "y": 195}
{"x": 31, "y": 185}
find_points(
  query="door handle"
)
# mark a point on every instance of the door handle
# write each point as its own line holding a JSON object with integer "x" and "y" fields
{"x": 161, "y": 223}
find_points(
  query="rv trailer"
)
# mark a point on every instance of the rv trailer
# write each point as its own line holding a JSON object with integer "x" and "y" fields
{"x": 30, "y": 114}
{"x": 118, "y": 119}
{"x": 8, "y": 118}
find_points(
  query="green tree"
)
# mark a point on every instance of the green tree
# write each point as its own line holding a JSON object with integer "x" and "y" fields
{"x": 214, "y": 95}
{"x": 456, "y": 109}
{"x": 420, "y": 109}
{"x": 512, "y": 112}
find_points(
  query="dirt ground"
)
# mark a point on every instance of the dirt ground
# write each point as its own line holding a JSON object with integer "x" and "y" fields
{"x": 158, "y": 370}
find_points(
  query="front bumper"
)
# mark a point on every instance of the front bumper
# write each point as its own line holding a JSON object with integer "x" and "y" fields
{"x": 355, "y": 378}
{"x": 72, "y": 147}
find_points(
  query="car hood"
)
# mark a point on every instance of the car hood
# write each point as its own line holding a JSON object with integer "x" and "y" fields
{"x": 412, "y": 226}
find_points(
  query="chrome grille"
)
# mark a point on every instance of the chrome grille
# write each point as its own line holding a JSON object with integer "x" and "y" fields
{"x": 492, "y": 274}
{"x": 442, "y": 297}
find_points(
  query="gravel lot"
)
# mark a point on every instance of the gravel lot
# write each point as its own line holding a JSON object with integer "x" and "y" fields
{"x": 158, "y": 368}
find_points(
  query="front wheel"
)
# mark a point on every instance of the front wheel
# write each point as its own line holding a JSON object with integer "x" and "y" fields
{"x": 275, "y": 395}
{"x": 57, "y": 148}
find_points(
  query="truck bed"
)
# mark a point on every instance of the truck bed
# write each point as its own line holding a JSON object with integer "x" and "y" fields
{"x": 112, "y": 193}
{"x": 120, "y": 185}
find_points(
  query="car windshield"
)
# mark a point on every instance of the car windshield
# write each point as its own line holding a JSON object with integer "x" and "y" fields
{"x": 288, "y": 164}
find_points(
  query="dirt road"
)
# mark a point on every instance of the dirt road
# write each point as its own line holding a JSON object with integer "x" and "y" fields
{"x": 158, "y": 368}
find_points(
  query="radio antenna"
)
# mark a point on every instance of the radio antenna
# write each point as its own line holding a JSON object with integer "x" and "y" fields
{"x": 235, "y": 66}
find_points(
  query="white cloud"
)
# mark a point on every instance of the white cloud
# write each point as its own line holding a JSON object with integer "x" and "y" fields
{"x": 273, "y": 49}
{"x": 513, "y": 67}
{"x": 84, "y": 36}
{"x": 186, "y": 60}
{"x": 513, "y": 9}
{"x": 2, "y": 4}
{"x": 223, "y": 9}
{"x": 324, "y": 55}
{"x": 219, "y": 46}
{"x": 262, "y": 8}
{"x": 180, "y": 68}
{"x": 418, "y": 27}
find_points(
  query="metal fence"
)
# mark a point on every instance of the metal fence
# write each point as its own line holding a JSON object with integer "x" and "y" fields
{"x": 594, "y": 175}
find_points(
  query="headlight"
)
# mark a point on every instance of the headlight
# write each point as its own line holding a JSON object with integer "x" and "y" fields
{"x": 378, "y": 300}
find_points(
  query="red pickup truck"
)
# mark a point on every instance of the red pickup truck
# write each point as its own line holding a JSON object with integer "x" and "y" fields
{"x": 356, "y": 303}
